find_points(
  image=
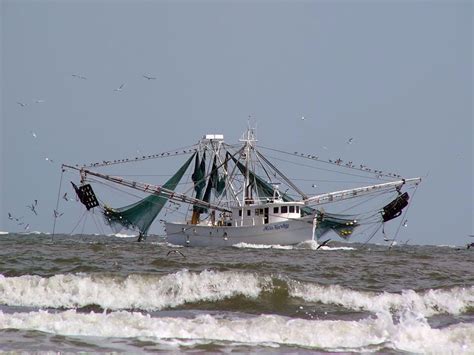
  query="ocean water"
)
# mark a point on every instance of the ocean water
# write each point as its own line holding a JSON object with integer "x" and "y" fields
{"x": 111, "y": 294}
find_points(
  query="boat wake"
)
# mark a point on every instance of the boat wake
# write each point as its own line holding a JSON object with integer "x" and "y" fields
{"x": 122, "y": 235}
{"x": 262, "y": 246}
{"x": 308, "y": 244}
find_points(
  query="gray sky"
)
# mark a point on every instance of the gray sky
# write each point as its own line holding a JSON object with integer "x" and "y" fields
{"x": 396, "y": 76}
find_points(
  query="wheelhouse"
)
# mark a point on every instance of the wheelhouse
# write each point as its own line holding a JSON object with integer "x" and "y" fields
{"x": 258, "y": 214}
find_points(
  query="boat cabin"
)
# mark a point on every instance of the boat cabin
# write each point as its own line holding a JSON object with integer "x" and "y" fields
{"x": 261, "y": 214}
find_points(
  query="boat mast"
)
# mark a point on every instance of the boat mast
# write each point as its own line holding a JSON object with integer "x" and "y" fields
{"x": 248, "y": 140}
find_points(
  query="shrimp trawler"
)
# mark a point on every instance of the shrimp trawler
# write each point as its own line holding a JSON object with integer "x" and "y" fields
{"x": 225, "y": 194}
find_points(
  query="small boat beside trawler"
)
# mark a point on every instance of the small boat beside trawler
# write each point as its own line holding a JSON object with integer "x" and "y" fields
{"x": 225, "y": 194}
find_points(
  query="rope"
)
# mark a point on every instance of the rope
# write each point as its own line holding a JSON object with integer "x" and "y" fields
{"x": 177, "y": 151}
{"x": 349, "y": 165}
{"x": 375, "y": 232}
{"x": 57, "y": 202}
{"x": 77, "y": 224}
{"x": 84, "y": 225}
{"x": 99, "y": 226}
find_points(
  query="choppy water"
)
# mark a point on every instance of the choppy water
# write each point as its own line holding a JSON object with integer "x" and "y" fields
{"x": 110, "y": 294}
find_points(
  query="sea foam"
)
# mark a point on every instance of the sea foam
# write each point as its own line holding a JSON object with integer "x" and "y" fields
{"x": 309, "y": 244}
{"x": 451, "y": 301}
{"x": 147, "y": 292}
{"x": 155, "y": 292}
{"x": 371, "y": 334}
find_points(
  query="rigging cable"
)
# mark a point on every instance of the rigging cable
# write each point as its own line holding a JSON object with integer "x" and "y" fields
{"x": 57, "y": 201}
{"x": 77, "y": 224}
{"x": 362, "y": 168}
{"x": 84, "y": 224}
{"x": 375, "y": 232}
{"x": 99, "y": 226}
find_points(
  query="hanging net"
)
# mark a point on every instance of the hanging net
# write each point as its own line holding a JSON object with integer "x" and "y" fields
{"x": 140, "y": 215}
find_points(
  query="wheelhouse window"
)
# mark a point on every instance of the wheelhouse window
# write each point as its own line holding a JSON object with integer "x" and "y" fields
{"x": 275, "y": 210}
{"x": 240, "y": 213}
{"x": 292, "y": 209}
{"x": 284, "y": 209}
{"x": 249, "y": 212}
{"x": 297, "y": 209}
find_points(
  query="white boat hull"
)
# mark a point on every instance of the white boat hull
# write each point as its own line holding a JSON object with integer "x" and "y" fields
{"x": 282, "y": 233}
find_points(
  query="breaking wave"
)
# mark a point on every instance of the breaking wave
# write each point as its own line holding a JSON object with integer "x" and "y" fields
{"x": 154, "y": 292}
{"x": 372, "y": 334}
{"x": 428, "y": 303}
{"x": 146, "y": 292}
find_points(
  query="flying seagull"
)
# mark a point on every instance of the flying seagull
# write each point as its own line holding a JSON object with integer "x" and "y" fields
{"x": 65, "y": 196}
{"x": 33, "y": 134}
{"x": 79, "y": 76}
{"x": 49, "y": 159}
{"x": 119, "y": 88}
{"x": 149, "y": 77}
{"x": 323, "y": 244}
{"x": 176, "y": 252}
{"x": 13, "y": 218}
{"x": 39, "y": 101}
{"x": 350, "y": 140}
{"x": 22, "y": 104}
{"x": 33, "y": 208}
{"x": 302, "y": 117}
{"x": 57, "y": 214}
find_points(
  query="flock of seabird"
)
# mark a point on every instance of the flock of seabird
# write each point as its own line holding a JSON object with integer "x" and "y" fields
{"x": 23, "y": 104}
{"x": 19, "y": 221}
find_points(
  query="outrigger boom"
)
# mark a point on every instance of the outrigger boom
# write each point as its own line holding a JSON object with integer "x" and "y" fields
{"x": 359, "y": 191}
{"x": 150, "y": 188}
